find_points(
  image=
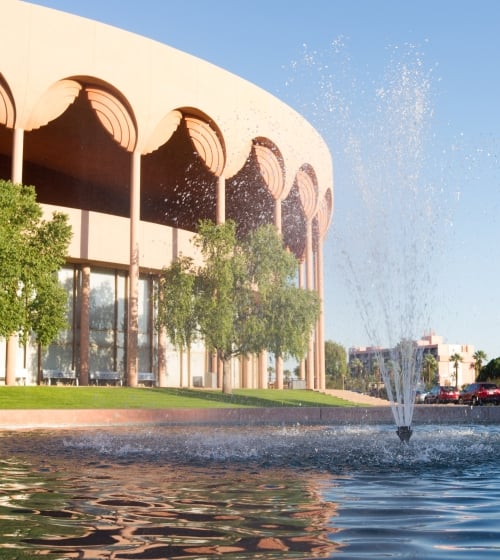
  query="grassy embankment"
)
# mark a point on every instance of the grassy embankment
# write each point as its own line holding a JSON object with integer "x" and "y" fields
{"x": 64, "y": 397}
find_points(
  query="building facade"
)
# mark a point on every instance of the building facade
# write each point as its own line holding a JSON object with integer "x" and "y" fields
{"x": 136, "y": 142}
{"x": 363, "y": 360}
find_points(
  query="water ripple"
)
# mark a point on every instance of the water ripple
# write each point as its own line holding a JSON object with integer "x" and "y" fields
{"x": 271, "y": 493}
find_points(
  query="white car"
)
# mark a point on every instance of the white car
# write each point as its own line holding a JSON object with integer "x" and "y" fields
{"x": 420, "y": 396}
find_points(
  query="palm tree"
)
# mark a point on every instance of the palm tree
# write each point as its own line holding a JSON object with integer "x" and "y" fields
{"x": 356, "y": 371}
{"x": 456, "y": 358}
{"x": 430, "y": 366}
{"x": 357, "y": 366}
{"x": 479, "y": 356}
{"x": 376, "y": 373}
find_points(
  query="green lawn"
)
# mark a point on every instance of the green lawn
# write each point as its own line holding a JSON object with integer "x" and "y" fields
{"x": 44, "y": 397}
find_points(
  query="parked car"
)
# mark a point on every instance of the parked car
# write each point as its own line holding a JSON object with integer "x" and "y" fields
{"x": 480, "y": 393}
{"x": 441, "y": 394}
{"x": 420, "y": 396}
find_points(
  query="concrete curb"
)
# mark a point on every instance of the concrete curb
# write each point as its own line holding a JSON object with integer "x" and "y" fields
{"x": 424, "y": 414}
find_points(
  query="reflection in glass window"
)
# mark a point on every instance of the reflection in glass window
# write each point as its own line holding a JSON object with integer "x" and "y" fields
{"x": 60, "y": 354}
{"x": 145, "y": 317}
{"x": 107, "y": 323}
{"x": 102, "y": 318}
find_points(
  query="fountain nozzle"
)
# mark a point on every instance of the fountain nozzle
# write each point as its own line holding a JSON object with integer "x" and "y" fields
{"x": 404, "y": 433}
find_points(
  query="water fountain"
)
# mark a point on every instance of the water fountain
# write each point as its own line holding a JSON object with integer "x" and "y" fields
{"x": 388, "y": 205}
{"x": 401, "y": 374}
{"x": 404, "y": 433}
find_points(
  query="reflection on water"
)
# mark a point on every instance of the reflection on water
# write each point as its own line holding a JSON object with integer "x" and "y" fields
{"x": 264, "y": 493}
{"x": 64, "y": 499}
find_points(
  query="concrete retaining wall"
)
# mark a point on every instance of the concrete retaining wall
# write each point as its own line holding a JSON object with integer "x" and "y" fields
{"x": 432, "y": 414}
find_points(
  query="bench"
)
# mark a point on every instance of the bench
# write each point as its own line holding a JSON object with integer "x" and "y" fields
{"x": 21, "y": 377}
{"x": 106, "y": 378}
{"x": 146, "y": 378}
{"x": 197, "y": 381}
{"x": 59, "y": 376}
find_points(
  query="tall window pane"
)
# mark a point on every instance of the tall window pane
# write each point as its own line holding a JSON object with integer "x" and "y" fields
{"x": 59, "y": 355}
{"x": 102, "y": 321}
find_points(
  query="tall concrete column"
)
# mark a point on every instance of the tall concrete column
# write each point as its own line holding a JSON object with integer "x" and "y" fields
{"x": 310, "y": 286}
{"x": 277, "y": 215}
{"x": 279, "y": 360}
{"x": 279, "y": 372}
{"x": 10, "y": 370}
{"x": 320, "y": 334}
{"x": 246, "y": 365}
{"x": 220, "y": 218}
{"x": 84, "y": 326}
{"x": 133, "y": 296}
{"x": 255, "y": 372}
{"x": 317, "y": 375}
{"x": 262, "y": 370}
{"x": 17, "y": 155}
{"x": 220, "y": 203}
{"x": 302, "y": 365}
{"x": 17, "y": 177}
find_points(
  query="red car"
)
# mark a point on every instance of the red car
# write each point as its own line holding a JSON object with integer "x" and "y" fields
{"x": 441, "y": 394}
{"x": 480, "y": 393}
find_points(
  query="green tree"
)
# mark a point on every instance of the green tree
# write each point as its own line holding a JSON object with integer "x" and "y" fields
{"x": 246, "y": 300}
{"x": 32, "y": 250}
{"x": 357, "y": 367}
{"x": 284, "y": 314}
{"x": 223, "y": 301}
{"x": 287, "y": 311}
{"x": 335, "y": 364}
{"x": 289, "y": 315}
{"x": 456, "y": 358}
{"x": 376, "y": 374}
{"x": 429, "y": 367}
{"x": 491, "y": 371}
{"x": 177, "y": 308}
{"x": 357, "y": 371}
{"x": 479, "y": 357}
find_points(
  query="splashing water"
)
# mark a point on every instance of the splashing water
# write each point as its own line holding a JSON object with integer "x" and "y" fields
{"x": 388, "y": 230}
{"x": 273, "y": 493}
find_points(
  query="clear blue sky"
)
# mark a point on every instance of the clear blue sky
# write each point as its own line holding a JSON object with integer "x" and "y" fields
{"x": 323, "y": 55}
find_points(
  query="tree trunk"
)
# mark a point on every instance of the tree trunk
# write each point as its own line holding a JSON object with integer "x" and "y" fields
{"x": 279, "y": 372}
{"x": 227, "y": 385}
{"x": 39, "y": 375}
{"x": 181, "y": 358}
{"x": 162, "y": 357}
{"x": 190, "y": 381}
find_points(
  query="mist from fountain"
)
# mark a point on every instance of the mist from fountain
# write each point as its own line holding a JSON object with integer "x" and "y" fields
{"x": 385, "y": 237}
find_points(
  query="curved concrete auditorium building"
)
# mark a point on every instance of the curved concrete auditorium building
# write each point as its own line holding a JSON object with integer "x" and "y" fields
{"x": 136, "y": 141}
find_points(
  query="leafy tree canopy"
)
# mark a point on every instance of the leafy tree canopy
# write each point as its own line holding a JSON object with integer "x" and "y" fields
{"x": 245, "y": 299}
{"x": 176, "y": 304}
{"x": 429, "y": 368}
{"x": 32, "y": 250}
{"x": 335, "y": 361}
{"x": 491, "y": 371}
{"x": 285, "y": 312}
{"x": 456, "y": 358}
{"x": 479, "y": 357}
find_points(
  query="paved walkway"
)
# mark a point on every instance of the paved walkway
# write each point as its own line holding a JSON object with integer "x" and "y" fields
{"x": 357, "y": 398}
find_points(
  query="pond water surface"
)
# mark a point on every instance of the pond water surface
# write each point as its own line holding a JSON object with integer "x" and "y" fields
{"x": 263, "y": 493}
